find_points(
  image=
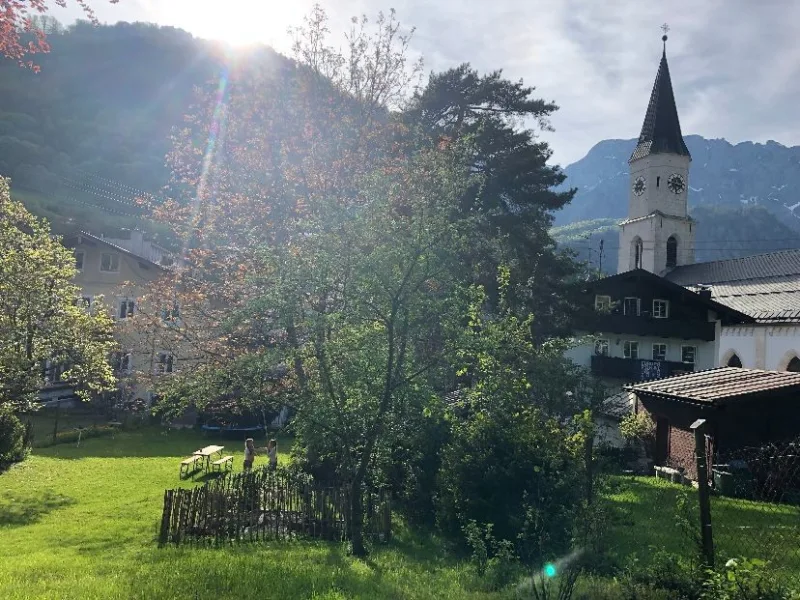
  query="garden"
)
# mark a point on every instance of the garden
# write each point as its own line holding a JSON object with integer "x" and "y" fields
{"x": 82, "y": 522}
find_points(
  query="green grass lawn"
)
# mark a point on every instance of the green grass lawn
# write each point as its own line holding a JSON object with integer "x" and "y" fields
{"x": 81, "y": 523}
{"x": 647, "y": 520}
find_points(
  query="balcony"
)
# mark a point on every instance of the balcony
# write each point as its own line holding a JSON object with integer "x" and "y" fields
{"x": 649, "y": 326}
{"x": 637, "y": 369}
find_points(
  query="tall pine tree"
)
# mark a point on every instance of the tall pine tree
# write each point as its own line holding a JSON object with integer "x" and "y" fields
{"x": 516, "y": 192}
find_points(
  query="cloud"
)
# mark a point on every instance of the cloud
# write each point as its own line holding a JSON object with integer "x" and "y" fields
{"x": 734, "y": 63}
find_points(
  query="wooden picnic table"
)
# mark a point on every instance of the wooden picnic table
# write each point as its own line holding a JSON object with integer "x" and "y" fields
{"x": 207, "y": 453}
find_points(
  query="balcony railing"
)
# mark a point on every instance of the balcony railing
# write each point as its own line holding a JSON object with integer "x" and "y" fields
{"x": 650, "y": 326}
{"x": 637, "y": 369}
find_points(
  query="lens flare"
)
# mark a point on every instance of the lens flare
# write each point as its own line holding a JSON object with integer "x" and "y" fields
{"x": 550, "y": 570}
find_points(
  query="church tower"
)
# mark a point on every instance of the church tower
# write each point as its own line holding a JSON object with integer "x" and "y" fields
{"x": 658, "y": 233}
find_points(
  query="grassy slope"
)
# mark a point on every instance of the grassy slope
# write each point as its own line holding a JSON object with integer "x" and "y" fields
{"x": 741, "y": 528}
{"x": 81, "y": 523}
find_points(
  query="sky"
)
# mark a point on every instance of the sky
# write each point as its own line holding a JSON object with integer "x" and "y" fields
{"x": 735, "y": 64}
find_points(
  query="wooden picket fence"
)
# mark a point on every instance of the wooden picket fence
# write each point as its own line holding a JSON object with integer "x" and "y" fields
{"x": 265, "y": 505}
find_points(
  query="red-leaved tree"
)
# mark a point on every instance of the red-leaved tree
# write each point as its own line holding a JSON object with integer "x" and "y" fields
{"x": 19, "y": 37}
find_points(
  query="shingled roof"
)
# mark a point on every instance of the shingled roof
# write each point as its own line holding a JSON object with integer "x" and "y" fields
{"x": 718, "y": 386}
{"x": 661, "y": 130}
{"x": 765, "y": 286}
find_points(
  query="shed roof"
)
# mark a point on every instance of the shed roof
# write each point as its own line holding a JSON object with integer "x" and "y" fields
{"x": 718, "y": 386}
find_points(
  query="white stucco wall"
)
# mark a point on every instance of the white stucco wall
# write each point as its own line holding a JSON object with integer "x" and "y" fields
{"x": 760, "y": 346}
{"x": 581, "y": 353}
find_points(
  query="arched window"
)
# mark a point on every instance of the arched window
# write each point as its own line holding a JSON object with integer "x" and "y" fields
{"x": 638, "y": 247}
{"x": 672, "y": 252}
{"x": 735, "y": 361}
{"x": 794, "y": 365}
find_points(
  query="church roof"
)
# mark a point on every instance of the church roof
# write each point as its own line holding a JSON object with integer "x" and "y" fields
{"x": 765, "y": 286}
{"x": 661, "y": 130}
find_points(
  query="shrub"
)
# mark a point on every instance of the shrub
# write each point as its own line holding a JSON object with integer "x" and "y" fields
{"x": 67, "y": 437}
{"x": 494, "y": 560}
{"x": 14, "y": 439}
{"x": 744, "y": 580}
{"x": 639, "y": 428}
{"x": 517, "y": 472}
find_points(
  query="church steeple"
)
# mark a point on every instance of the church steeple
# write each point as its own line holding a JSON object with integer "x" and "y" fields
{"x": 661, "y": 130}
{"x": 658, "y": 234}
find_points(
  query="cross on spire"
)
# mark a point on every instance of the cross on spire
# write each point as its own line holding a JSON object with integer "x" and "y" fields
{"x": 665, "y": 29}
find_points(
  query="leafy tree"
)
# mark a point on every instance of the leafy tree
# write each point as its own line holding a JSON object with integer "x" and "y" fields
{"x": 20, "y": 17}
{"x": 40, "y": 319}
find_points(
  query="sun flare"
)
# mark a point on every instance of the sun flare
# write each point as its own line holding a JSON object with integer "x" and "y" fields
{"x": 235, "y": 22}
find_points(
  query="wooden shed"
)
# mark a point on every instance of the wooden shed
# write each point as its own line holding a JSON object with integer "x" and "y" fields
{"x": 742, "y": 408}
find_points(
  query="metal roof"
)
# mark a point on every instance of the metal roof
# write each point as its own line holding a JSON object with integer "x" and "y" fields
{"x": 758, "y": 266}
{"x": 765, "y": 286}
{"x": 716, "y": 386}
{"x": 661, "y": 130}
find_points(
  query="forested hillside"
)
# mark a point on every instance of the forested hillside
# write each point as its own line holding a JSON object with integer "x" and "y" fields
{"x": 87, "y": 135}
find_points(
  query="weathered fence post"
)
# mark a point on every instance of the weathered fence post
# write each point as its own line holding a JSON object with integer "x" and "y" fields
{"x": 703, "y": 492}
{"x": 166, "y": 513}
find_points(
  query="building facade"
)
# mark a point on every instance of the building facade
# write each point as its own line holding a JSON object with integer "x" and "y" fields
{"x": 114, "y": 272}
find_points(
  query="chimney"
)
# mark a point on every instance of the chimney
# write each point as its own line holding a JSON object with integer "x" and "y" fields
{"x": 704, "y": 293}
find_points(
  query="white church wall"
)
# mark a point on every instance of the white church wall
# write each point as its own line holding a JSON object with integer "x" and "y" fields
{"x": 782, "y": 344}
{"x": 768, "y": 347}
{"x": 739, "y": 340}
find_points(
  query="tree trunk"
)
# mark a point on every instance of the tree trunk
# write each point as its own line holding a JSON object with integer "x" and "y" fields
{"x": 357, "y": 518}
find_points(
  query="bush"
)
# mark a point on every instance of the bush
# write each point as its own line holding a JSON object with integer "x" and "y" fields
{"x": 67, "y": 437}
{"x": 517, "y": 472}
{"x": 494, "y": 560}
{"x": 14, "y": 439}
{"x": 744, "y": 580}
{"x": 639, "y": 428}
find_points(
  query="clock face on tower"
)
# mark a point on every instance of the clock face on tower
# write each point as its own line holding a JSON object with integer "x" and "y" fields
{"x": 676, "y": 184}
{"x": 639, "y": 186}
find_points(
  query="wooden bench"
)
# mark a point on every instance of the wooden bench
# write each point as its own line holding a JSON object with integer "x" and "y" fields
{"x": 188, "y": 463}
{"x": 673, "y": 475}
{"x": 226, "y": 463}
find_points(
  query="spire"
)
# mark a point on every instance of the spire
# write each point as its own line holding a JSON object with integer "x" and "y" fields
{"x": 661, "y": 131}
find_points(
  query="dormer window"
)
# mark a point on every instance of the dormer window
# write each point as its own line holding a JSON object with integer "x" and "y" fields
{"x": 602, "y": 303}
{"x": 660, "y": 309}
{"x": 109, "y": 262}
{"x": 631, "y": 307}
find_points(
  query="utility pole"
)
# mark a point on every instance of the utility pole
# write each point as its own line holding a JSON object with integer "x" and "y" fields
{"x": 601, "y": 257}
